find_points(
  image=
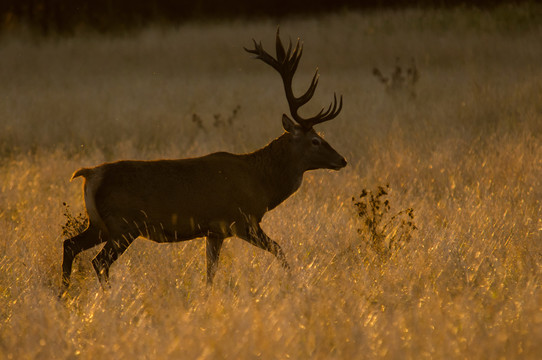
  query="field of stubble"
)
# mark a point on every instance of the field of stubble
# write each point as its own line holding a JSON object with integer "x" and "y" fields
{"x": 465, "y": 154}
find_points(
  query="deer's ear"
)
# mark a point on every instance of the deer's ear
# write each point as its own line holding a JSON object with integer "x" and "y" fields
{"x": 289, "y": 125}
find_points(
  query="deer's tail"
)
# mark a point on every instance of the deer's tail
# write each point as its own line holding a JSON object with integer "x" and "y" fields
{"x": 84, "y": 172}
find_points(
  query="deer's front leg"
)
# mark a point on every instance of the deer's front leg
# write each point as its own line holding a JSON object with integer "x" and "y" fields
{"x": 213, "y": 246}
{"x": 255, "y": 235}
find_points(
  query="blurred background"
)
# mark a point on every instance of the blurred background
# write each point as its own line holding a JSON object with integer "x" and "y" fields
{"x": 68, "y": 16}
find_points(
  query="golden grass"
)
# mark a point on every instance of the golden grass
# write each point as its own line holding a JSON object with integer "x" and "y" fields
{"x": 466, "y": 154}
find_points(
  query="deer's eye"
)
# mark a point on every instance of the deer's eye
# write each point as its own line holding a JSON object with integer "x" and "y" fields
{"x": 316, "y": 142}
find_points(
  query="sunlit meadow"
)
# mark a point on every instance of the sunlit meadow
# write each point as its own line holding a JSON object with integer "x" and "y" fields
{"x": 465, "y": 154}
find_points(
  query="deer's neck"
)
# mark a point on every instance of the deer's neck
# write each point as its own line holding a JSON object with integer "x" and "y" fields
{"x": 279, "y": 169}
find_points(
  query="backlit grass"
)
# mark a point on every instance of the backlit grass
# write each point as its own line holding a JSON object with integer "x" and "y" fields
{"x": 465, "y": 154}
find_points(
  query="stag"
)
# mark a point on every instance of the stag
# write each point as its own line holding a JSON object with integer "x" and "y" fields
{"x": 216, "y": 196}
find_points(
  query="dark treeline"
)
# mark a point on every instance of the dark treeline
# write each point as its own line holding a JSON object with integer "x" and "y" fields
{"x": 67, "y": 16}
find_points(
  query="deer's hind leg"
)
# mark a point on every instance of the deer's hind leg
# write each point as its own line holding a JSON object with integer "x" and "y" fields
{"x": 112, "y": 250}
{"x": 73, "y": 246}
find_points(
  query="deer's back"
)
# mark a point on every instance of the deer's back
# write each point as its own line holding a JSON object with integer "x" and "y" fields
{"x": 181, "y": 196}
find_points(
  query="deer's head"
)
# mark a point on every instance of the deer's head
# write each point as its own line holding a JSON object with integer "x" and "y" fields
{"x": 311, "y": 149}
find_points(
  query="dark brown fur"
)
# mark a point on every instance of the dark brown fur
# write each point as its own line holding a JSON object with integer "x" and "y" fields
{"x": 215, "y": 196}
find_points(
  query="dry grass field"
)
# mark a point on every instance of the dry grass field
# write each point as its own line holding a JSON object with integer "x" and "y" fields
{"x": 465, "y": 154}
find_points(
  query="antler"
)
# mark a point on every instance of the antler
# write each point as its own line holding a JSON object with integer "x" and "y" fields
{"x": 286, "y": 64}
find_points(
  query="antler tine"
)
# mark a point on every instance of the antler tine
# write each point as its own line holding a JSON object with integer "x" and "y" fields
{"x": 263, "y": 55}
{"x": 256, "y": 47}
{"x": 332, "y": 111}
{"x": 296, "y": 55}
{"x": 281, "y": 55}
{"x": 289, "y": 54}
{"x": 303, "y": 99}
{"x": 286, "y": 65}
